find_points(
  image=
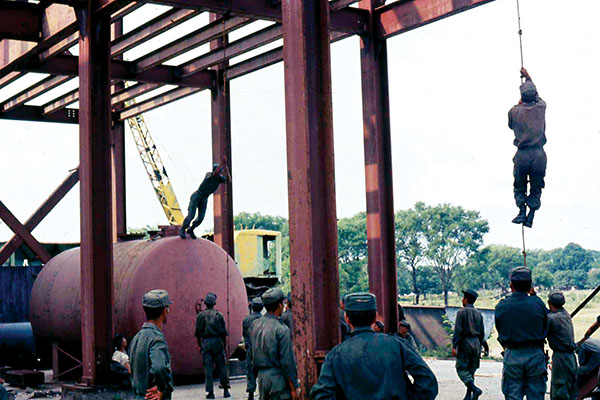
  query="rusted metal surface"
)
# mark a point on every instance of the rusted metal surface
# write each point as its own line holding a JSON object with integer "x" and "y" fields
{"x": 17, "y": 345}
{"x": 20, "y": 21}
{"x": 155, "y": 102}
{"x": 220, "y": 107}
{"x": 402, "y": 16}
{"x": 117, "y": 145}
{"x": 13, "y": 223}
{"x": 36, "y": 90}
{"x": 311, "y": 183}
{"x": 36, "y": 113}
{"x": 187, "y": 269}
{"x": 15, "y": 292}
{"x": 96, "y": 195}
{"x": 14, "y": 242}
{"x": 378, "y": 173}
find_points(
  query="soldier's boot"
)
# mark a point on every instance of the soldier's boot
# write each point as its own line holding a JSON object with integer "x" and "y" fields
{"x": 529, "y": 222}
{"x": 468, "y": 395}
{"x": 475, "y": 391}
{"x": 226, "y": 393}
{"x": 191, "y": 233}
{"x": 182, "y": 233}
{"x": 250, "y": 395}
{"x": 210, "y": 395}
{"x": 521, "y": 218}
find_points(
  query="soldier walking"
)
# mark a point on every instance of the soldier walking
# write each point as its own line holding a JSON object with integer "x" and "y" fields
{"x": 466, "y": 343}
{"x": 257, "y": 306}
{"x": 149, "y": 355}
{"x": 271, "y": 351}
{"x": 561, "y": 339}
{"x": 371, "y": 365}
{"x": 521, "y": 322}
{"x": 211, "y": 334}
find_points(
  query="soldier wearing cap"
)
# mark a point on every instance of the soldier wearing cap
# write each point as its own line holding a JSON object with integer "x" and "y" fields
{"x": 521, "y": 322}
{"x": 199, "y": 199}
{"x": 287, "y": 316}
{"x": 211, "y": 334}
{"x": 149, "y": 355}
{"x": 257, "y": 306}
{"x": 405, "y": 335}
{"x": 271, "y": 351}
{"x": 561, "y": 339}
{"x": 371, "y": 365}
{"x": 344, "y": 328}
{"x": 466, "y": 343}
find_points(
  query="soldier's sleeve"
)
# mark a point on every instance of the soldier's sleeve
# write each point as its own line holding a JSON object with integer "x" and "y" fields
{"x": 223, "y": 328}
{"x": 160, "y": 370}
{"x": 286, "y": 356}
{"x": 458, "y": 328}
{"x": 510, "y": 118}
{"x": 325, "y": 388}
{"x": 481, "y": 329}
{"x": 425, "y": 386}
{"x": 199, "y": 327}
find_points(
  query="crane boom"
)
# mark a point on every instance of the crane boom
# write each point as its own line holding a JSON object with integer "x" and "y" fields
{"x": 155, "y": 169}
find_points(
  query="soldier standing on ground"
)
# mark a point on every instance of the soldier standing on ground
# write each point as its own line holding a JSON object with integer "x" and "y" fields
{"x": 372, "y": 365}
{"x": 521, "y": 322}
{"x": 466, "y": 343}
{"x": 271, "y": 351}
{"x": 561, "y": 339}
{"x": 211, "y": 334}
{"x": 344, "y": 328}
{"x": 199, "y": 199}
{"x": 257, "y": 306}
{"x": 528, "y": 120}
{"x": 405, "y": 335}
{"x": 149, "y": 355}
{"x": 588, "y": 354}
{"x": 287, "y": 317}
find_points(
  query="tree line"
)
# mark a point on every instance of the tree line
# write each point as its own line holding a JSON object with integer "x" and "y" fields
{"x": 440, "y": 249}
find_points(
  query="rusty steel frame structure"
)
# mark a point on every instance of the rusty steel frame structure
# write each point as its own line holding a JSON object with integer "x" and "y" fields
{"x": 36, "y": 37}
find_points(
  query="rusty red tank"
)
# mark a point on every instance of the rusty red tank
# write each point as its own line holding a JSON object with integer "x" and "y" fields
{"x": 187, "y": 269}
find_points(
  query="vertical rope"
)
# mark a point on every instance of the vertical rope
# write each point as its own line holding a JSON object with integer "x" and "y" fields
{"x": 520, "y": 32}
{"x": 524, "y": 252}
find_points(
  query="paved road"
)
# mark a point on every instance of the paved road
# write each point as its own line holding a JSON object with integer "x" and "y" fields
{"x": 488, "y": 378}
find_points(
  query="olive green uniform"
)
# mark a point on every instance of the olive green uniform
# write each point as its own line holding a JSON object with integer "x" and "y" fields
{"x": 246, "y": 325}
{"x": 211, "y": 332}
{"x": 561, "y": 339}
{"x": 467, "y": 340}
{"x": 273, "y": 358}
{"x": 150, "y": 361}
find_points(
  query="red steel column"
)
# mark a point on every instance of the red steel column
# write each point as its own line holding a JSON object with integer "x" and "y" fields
{"x": 311, "y": 183}
{"x": 378, "y": 173}
{"x": 118, "y": 160}
{"x": 221, "y": 147}
{"x": 96, "y": 193}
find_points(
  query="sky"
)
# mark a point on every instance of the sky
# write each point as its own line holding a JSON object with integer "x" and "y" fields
{"x": 451, "y": 86}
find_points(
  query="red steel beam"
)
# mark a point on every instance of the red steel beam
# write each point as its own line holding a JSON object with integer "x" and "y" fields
{"x": 36, "y": 113}
{"x": 16, "y": 241}
{"x": 117, "y": 146}
{"x": 31, "y": 93}
{"x": 220, "y": 108}
{"x": 20, "y": 21}
{"x": 311, "y": 183}
{"x": 96, "y": 194}
{"x": 157, "y": 101}
{"x": 378, "y": 174}
{"x": 404, "y": 15}
{"x": 17, "y": 227}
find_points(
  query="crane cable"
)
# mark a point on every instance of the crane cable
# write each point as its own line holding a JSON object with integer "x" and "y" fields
{"x": 524, "y": 252}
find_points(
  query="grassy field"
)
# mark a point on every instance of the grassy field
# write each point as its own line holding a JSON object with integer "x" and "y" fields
{"x": 489, "y": 299}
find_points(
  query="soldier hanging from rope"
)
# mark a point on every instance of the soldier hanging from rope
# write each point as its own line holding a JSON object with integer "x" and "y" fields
{"x": 528, "y": 120}
{"x": 199, "y": 199}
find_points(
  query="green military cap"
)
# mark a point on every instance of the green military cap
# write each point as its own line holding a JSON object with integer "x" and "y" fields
{"x": 257, "y": 302}
{"x": 361, "y": 302}
{"x": 272, "y": 296}
{"x": 157, "y": 298}
{"x": 520, "y": 274}
{"x": 557, "y": 298}
{"x": 405, "y": 324}
{"x": 471, "y": 293}
{"x": 211, "y": 299}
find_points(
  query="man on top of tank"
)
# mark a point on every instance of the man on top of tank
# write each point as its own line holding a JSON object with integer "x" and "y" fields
{"x": 149, "y": 355}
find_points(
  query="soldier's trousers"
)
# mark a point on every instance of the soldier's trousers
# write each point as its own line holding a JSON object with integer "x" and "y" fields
{"x": 198, "y": 203}
{"x": 524, "y": 374}
{"x": 213, "y": 353}
{"x": 251, "y": 378}
{"x": 563, "y": 385}
{"x": 272, "y": 385}
{"x": 467, "y": 362}
{"x": 529, "y": 163}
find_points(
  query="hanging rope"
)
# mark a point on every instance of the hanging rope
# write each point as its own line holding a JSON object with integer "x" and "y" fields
{"x": 524, "y": 252}
{"x": 520, "y": 32}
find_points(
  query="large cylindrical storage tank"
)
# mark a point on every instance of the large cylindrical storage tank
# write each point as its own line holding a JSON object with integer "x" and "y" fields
{"x": 187, "y": 269}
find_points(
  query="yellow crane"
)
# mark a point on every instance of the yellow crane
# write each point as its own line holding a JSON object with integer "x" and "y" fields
{"x": 155, "y": 169}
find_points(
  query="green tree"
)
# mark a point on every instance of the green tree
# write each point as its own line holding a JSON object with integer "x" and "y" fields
{"x": 428, "y": 281}
{"x": 352, "y": 253}
{"x": 452, "y": 235}
{"x": 410, "y": 248}
{"x": 246, "y": 220}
